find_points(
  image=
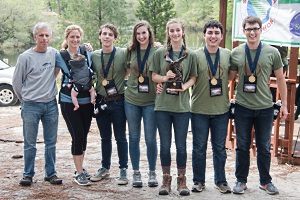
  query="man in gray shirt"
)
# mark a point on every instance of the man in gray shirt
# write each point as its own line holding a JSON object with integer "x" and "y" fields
{"x": 35, "y": 86}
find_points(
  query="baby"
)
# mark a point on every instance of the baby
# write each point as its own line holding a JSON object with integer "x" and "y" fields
{"x": 82, "y": 78}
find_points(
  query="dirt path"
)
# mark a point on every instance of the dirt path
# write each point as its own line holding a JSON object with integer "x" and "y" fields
{"x": 285, "y": 177}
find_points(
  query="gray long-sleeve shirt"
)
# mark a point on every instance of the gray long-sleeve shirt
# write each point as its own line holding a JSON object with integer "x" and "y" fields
{"x": 34, "y": 77}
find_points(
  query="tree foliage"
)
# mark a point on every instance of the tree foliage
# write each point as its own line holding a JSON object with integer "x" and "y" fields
{"x": 197, "y": 12}
{"x": 17, "y": 21}
{"x": 91, "y": 14}
{"x": 157, "y": 13}
{"x": 18, "y": 17}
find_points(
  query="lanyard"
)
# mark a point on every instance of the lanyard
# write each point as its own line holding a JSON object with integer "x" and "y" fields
{"x": 213, "y": 67}
{"x": 253, "y": 65}
{"x": 112, "y": 55}
{"x": 142, "y": 64}
{"x": 171, "y": 53}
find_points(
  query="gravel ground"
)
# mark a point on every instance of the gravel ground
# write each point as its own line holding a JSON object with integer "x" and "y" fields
{"x": 285, "y": 176}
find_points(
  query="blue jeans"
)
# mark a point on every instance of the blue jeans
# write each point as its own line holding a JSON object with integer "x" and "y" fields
{"x": 244, "y": 120}
{"x": 32, "y": 113}
{"x": 134, "y": 116}
{"x": 218, "y": 131}
{"x": 113, "y": 115}
{"x": 180, "y": 123}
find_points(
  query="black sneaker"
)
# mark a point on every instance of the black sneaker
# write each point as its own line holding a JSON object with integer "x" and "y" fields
{"x": 81, "y": 179}
{"x": 223, "y": 188}
{"x": 26, "y": 181}
{"x": 86, "y": 173}
{"x": 198, "y": 187}
{"x": 53, "y": 180}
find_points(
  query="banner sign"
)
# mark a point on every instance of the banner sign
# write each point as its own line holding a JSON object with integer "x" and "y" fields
{"x": 280, "y": 20}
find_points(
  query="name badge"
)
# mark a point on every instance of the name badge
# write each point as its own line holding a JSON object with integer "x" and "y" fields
{"x": 172, "y": 92}
{"x": 110, "y": 88}
{"x": 143, "y": 84}
{"x": 250, "y": 84}
{"x": 215, "y": 87}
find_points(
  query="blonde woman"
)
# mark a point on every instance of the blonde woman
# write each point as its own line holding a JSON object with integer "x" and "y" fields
{"x": 78, "y": 121}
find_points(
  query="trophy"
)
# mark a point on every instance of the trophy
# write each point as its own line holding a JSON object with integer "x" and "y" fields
{"x": 174, "y": 66}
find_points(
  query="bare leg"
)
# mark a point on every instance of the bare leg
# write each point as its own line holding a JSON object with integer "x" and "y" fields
{"x": 74, "y": 98}
{"x": 78, "y": 161}
{"x": 92, "y": 93}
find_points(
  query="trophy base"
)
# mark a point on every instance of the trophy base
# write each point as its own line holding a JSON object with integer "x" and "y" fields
{"x": 174, "y": 84}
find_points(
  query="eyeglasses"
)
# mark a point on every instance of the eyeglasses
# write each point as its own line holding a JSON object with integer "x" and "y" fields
{"x": 251, "y": 29}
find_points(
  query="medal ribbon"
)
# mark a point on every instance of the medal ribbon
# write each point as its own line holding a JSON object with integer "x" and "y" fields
{"x": 171, "y": 52}
{"x": 111, "y": 57}
{"x": 253, "y": 65}
{"x": 213, "y": 67}
{"x": 141, "y": 65}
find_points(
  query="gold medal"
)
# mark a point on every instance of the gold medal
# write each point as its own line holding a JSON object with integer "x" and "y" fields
{"x": 213, "y": 81}
{"x": 251, "y": 78}
{"x": 104, "y": 82}
{"x": 141, "y": 79}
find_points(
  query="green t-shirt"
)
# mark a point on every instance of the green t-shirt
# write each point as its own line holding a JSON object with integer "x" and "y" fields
{"x": 269, "y": 60}
{"x": 131, "y": 93}
{"x": 174, "y": 103}
{"x": 202, "y": 102}
{"x": 117, "y": 70}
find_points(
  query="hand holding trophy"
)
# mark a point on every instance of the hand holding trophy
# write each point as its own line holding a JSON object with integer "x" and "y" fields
{"x": 174, "y": 66}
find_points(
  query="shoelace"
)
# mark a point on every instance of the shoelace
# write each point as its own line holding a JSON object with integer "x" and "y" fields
{"x": 81, "y": 176}
{"x": 182, "y": 182}
{"x": 123, "y": 173}
{"x": 165, "y": 181}
{"x": 138, "y": 176}
{"x": 152, "y": 175}
{"x": 270, "y": 186}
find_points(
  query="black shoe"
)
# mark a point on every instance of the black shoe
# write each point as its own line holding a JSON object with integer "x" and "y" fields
{"x": 26, "y": 181}
{"x": 53, "y": 180}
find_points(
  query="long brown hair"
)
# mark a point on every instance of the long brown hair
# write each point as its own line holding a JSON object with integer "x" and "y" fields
{"x": 135, "y": 43}
{"x": 168, "y": 39}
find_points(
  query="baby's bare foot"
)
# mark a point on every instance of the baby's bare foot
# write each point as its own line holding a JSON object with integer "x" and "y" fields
{"x": 76, "y": 107}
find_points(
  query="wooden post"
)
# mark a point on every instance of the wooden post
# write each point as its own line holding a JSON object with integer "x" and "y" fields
{"x": 222, "y": 19}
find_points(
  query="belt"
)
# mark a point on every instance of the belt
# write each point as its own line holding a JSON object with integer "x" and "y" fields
{"x": 108, "y": 99}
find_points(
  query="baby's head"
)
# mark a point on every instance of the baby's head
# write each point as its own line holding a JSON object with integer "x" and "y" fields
{"x": 78, "y": 57}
